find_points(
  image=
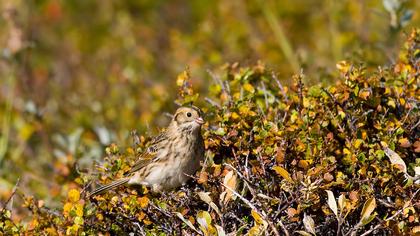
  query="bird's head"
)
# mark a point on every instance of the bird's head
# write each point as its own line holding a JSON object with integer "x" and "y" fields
{"x": 187, "y": 119}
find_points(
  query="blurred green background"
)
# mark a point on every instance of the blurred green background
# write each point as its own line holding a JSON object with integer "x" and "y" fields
{"x": 78, "y": 75}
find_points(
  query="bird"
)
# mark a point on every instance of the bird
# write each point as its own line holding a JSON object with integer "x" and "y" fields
{"x": 171, "y": 158}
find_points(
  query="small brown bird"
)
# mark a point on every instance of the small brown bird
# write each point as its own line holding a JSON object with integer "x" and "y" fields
{"x": 172, "y": 157}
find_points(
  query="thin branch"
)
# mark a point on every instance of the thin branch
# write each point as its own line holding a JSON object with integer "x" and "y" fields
{"x": 10, "y": 199}
{"x": 387, "y": 219}
{"x": 215, "y": 78}
{"x": 261, "y": 213}
{"x": 213, "y": 103}
{"x": 274, "y": 76}
{"x": 265, "y": 95}
{"x": 300, "y": 91}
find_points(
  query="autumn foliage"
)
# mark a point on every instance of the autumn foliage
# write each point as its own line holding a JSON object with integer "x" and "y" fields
{"x": 279, "y": 160}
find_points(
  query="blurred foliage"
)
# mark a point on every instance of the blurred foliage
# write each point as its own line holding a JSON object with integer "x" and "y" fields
{"x": 333, "y": 160}
{"x": 76, "y": 76}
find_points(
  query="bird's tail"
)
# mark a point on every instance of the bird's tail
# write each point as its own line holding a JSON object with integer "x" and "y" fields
{"x": 109, "y": 186}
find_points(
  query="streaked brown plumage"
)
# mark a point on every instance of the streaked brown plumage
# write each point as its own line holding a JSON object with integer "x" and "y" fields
{"x": 172, "y": 156}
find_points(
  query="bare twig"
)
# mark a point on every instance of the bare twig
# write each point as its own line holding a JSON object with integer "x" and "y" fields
{"x": 261, "y": 213}
{"x": 353, "y": 232}
{"x": 274, "y": 76}
{"x": 86, "y": 187}
{"x": 371, "y": 230}
{"x": 169, "y": 115}
{"x": 215, "y": 78}
{"x": 300, "y": 90}
{"x": 333, "y": 98}
{"x": 237, "y": 171}
{"x": 135, "y": 137}
{"x": 10, "y": 199}
{"x": 265, "y": 94}
{"x": 227, "y": 88}
{"x": 246, "y": 165}
{"x": 213, "y": 103}
{"x": 415, "y": 126}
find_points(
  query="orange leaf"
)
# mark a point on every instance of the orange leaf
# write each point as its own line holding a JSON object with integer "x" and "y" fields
{"x": 143, "y": 201}
{"x": 404, "y": 142}
{"x": 417, "y": 146}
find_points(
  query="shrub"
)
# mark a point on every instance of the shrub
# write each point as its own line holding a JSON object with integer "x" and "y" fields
{"x": 279, "y": 160}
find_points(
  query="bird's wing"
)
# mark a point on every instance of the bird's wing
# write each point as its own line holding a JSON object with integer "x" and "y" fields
{"x": 149, "y": 155}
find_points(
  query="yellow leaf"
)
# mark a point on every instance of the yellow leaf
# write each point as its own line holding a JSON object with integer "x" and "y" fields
{"x": 364, "y": 135}
{"x": 283, "y": 173}
{"x": 114, "y": 199}
{"x": 258, "y": 219}
{"x": 26, "y": 131}
{"x": 391, "y": 103}
{"x": 306, "y": 102}
{"x": 236, "y": 96}
{"x": 294, "y": 117}
{"x": 357, "y": 143}
{"x": 244, "y": 110}
{"x": 229, "y": 181}
{"x": 204, "y": 220}
{"x": 79, "y": 209}
{"x": 367, "y": 210}
{"x": 50, "y": 231}
{"x": 181, "y": 78}
{"x": 254, "y": 231}
{"x": 74, "y": 195}
{"x": 78, "y": 220}
{"x": 304, "y": 164}
{"x": 346, "y": 151}
{"x": 203, "y": 177}
{"x": 143, "y": 201}
{"x": 147, "y": 222}
{"x": 404, "y": 142}
{"x": 402, "y": 101}
{"x": 141, "y": 216}
{"x": 364, "y": 94}
{"x": 67, "y": 208}
{"x": 416, "y": 146}
{"x": 34, "y": 223}
{"x": 72, "y": 230}
{"x": 342, "y": 114}
{"x": 343, "y": 66}
{"x": 416, "y": 230}
{"x": 249, "y": 88}
{"x": 235, "y": 116}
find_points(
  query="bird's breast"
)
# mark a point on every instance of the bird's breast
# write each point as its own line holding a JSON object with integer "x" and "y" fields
{"x": 175, "y": 163}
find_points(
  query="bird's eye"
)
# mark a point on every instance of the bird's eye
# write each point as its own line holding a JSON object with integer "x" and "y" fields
{"x": 189, "y": 114}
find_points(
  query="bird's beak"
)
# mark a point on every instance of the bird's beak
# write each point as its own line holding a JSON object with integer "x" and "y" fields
{"x": 199, "y": 120}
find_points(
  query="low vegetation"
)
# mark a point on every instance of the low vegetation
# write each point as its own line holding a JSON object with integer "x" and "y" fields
{"x": 280, "y": 160}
